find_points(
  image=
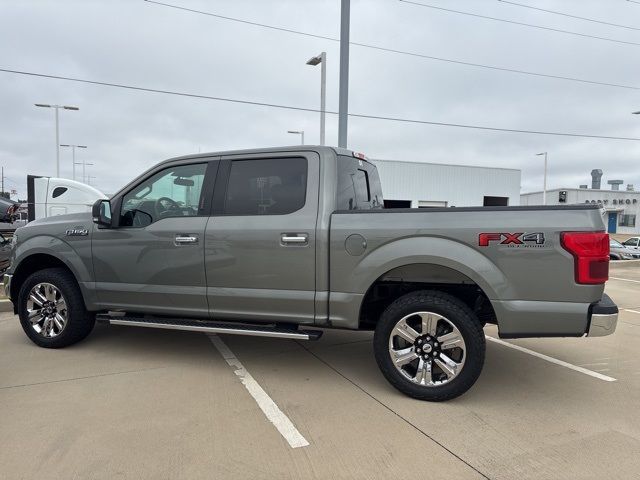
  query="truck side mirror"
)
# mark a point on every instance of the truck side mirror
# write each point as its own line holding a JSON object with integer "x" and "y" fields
{"x": 101, "y": 213}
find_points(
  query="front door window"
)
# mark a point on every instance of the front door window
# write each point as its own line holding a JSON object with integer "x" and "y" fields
{"x": 172, "y": 192}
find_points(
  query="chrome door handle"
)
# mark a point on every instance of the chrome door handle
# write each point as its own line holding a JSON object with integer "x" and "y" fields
{"x": 294, "y": 239}
{"x": 186, "y": 239}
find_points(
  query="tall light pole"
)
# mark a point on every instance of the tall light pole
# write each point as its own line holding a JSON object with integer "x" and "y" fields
{"x": 343, "y": 104}
{"x": 322, "y": 60}
{"x": 73, "y": 153}
{"x": 544, "y": 188}
{"x": 56, "y": 108}
{"x": 84, "y": 170}
{"x": 298, "y": 132}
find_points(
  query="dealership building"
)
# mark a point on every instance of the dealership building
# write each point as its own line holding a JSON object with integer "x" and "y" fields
{"x": 432, "y": 185}
{"x": 620, "y": 206}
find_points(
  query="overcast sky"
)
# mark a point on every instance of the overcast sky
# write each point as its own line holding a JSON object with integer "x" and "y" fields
{"x": 137, "y": 43}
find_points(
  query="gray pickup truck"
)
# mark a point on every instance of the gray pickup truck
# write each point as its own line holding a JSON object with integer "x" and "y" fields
{"x": 270, "y": 242}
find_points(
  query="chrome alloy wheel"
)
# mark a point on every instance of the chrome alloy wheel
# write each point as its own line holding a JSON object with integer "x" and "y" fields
{"x": 47, "y": 310}
{"x": 427, "y": 349}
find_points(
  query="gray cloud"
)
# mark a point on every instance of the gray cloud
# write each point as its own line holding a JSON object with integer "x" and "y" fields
{"x": 137, "y": 43}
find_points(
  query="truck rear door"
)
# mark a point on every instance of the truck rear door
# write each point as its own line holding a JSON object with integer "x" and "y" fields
{"x": 260, "y": 243}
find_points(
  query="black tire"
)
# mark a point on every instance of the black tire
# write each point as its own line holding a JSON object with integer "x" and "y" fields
{"x": 79, "y": 322}
{"x": 456, "y": 313}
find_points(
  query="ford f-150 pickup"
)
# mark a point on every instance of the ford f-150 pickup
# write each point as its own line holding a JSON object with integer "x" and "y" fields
{"x": 271, "y": 242}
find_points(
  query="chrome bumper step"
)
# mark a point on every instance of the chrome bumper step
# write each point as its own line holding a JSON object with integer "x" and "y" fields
{"x": 206, "y": 326}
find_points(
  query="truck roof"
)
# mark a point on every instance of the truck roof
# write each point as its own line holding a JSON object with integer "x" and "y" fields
{"x": 289, "y": 148}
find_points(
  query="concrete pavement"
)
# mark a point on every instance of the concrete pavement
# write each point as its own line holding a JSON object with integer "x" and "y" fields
{"x": 139, "y": 403}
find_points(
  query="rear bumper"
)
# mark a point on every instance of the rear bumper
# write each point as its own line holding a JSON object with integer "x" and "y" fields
{"x": 603, "y": 318}
{"x": 523, "y": 318}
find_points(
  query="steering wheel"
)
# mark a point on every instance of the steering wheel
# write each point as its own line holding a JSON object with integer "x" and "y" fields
{"x": 161, "y": 209}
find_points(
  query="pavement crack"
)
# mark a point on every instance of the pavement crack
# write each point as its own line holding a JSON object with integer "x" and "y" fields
{"x": 79, "y": 378}
{"x": 408, "y": 422}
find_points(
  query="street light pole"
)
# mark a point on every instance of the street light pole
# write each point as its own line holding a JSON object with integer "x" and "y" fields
{"x": 322, "y": 60}
{"x": 56, "y": 108}
{"x": 57, "y": 144}
{"x": 298, "y": 132}
{"x": 73, "y": 154}
{"x": 343, "y": 104}
{"x": 84, "y": 170}
{"x": 544, "y": 188}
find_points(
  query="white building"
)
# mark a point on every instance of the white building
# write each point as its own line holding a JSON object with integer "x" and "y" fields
{"x": 424, "y": 185}
{"x": 621, "y": 206}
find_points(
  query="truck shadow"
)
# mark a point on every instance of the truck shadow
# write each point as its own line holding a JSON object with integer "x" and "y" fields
{"x": 508, "y": 376}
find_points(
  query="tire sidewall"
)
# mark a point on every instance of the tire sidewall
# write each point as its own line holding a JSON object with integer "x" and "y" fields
{"x": 457, "y": 313}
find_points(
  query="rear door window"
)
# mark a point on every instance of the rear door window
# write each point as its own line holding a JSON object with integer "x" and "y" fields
{"x": 271, "y": 186}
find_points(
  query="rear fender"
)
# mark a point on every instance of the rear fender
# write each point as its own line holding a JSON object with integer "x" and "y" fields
{"x": 420, "y": 252}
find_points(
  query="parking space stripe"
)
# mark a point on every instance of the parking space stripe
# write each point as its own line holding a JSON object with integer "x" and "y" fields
{"x": 632, "y": 311}
{"x": 624, "y": 279}
{"x": 562, "y": 363}
{"x": 282, "y": 423}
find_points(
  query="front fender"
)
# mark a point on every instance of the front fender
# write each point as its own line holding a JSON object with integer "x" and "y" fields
{"x": 74, "y": 254}
{"x": 50, "y": 245}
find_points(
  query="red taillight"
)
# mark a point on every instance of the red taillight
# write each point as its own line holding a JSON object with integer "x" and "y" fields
{"x": 591, "y": 253}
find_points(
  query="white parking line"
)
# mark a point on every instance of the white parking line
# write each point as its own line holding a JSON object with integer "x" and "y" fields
{"x": 591, "y": 373}
{"x": 286, "y": 428}
{"x": 632, "y": 311}
{"x": 624, "y": 279}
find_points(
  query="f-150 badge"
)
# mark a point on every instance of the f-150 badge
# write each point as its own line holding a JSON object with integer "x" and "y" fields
{"x": 77, "y": 232}
{"x": 512, "y": 239}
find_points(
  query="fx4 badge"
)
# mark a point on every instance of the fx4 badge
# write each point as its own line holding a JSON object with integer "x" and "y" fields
{"x": 525, "y": 240}
{"x": 77, "y": 232}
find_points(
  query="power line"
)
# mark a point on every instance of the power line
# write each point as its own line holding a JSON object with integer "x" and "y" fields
{"x": 502, "y": 69}
{"x": 314, "y": 110}
{"x": 403, "y": 52}
{"x": 239, "y": 20}
{"x": 569, "y": 15}
{"x": 522, "y": 24}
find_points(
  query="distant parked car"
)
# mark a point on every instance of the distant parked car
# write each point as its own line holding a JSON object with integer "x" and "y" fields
{"x": 8, "y": 209}
{"x": 633, "y": 243}
{"x": 618, "y": 251}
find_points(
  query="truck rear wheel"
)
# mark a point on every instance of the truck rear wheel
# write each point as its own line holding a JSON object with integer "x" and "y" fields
{"x": 430, "y": 345}
{"x": 51, "y": 309}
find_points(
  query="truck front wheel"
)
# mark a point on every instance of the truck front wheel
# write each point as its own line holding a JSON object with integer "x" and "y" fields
{"x": 429, "y": 345}
{"x": 51, "y": 309}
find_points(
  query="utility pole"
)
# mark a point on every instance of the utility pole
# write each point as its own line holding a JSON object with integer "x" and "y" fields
{"x": 343, "y": 106}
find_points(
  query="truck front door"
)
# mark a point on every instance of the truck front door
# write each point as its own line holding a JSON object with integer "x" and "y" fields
{"x": 260, "y": 243}
{"x": 152, "y": 261}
